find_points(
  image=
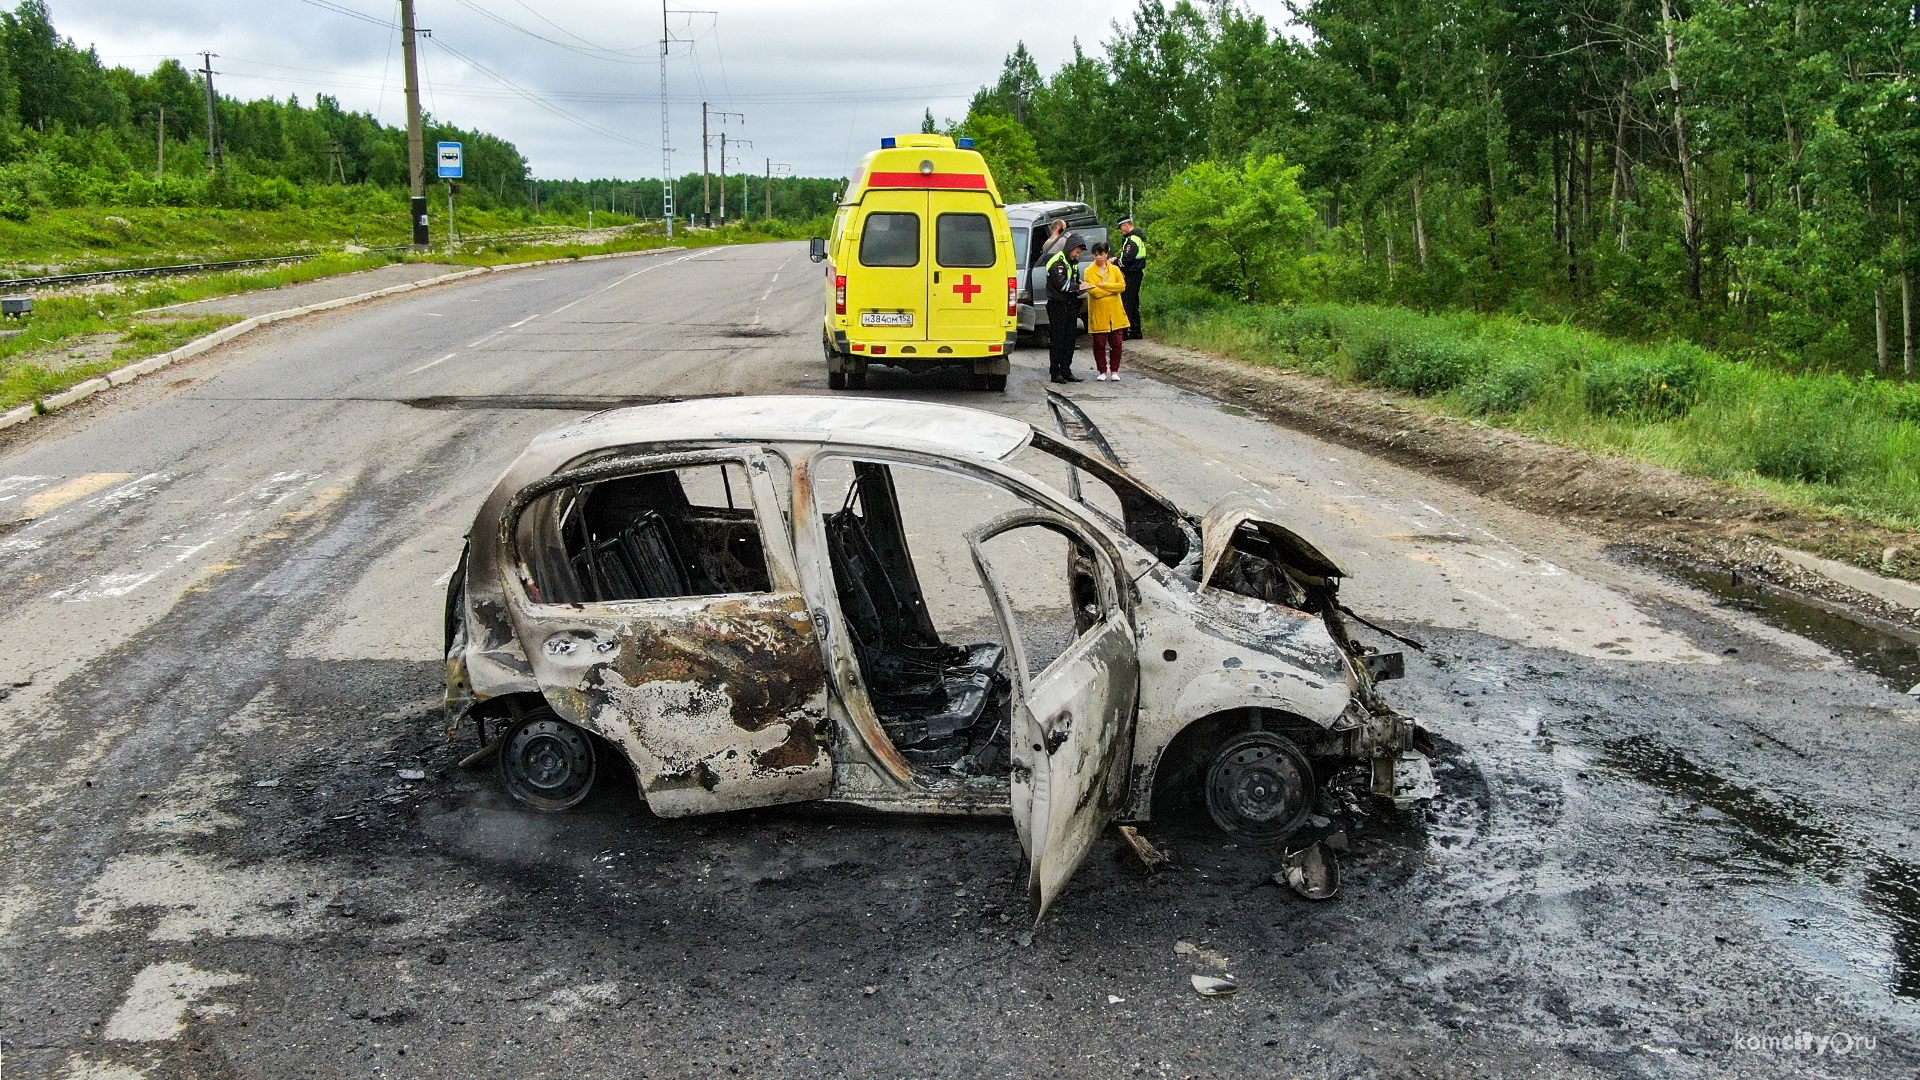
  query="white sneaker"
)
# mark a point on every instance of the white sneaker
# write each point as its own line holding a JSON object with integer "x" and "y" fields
{"x": 1115, "y": 376}
{"x": 1102, "y": 377}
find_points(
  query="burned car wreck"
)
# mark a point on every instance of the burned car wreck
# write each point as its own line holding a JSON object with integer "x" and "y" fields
{"x": 910, "y": 607}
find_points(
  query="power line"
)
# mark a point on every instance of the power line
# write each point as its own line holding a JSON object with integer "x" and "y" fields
{"x": 350, "y": 13}
{"x": 594, "y": 51}
{"x": 538, "y": 100}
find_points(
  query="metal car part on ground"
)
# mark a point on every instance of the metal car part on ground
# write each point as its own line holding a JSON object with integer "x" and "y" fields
{"x": 757, "y": 601}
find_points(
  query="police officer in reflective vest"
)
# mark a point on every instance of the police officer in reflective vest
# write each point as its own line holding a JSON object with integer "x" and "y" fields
{"x": 1063, "y": 307}
{"x": 1133, "y": 266}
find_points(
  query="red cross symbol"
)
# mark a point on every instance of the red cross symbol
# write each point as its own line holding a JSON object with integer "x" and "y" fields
{"x": 966, "y": 289}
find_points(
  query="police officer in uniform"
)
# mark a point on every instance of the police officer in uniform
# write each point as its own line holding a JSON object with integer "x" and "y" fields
{"x": 1063, "y": 307}
{"x": 1133, "y": 266}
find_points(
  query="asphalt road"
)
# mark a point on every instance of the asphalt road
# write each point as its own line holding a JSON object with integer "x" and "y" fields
{"x": 1673, "y": 840}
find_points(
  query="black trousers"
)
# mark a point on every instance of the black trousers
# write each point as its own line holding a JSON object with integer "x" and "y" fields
{"x": 1131, "y": 299}
{"x": 1062, "y": 331}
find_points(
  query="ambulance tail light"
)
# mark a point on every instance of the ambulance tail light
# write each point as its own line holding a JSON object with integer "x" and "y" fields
{"x": 1013, "y": 296}
{"x": 840, "y": 294}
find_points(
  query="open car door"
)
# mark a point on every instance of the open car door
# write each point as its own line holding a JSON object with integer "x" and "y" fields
{"x": 1072, "y": 713}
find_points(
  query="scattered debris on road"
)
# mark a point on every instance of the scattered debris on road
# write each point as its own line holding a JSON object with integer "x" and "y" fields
{"x": 1151, "y": 857}
{"x": 1214, "y": 986}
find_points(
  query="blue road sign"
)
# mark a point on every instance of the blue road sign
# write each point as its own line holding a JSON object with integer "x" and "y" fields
{"x": 452, "y": 160}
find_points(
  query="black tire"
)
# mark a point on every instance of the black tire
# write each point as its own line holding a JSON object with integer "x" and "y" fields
{"x": 856, "y": 380}
{"x": 836, "y": 380}
{"x": 996, "y": 383}
{"x": 1260, "y": 787}
{"x": 976, "y": 380}
{"x": 546, "y": 763}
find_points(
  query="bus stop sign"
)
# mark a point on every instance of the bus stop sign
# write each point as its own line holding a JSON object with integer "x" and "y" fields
{"x": 452, "y": 160}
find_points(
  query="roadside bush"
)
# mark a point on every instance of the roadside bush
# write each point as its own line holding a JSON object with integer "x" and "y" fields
{"x": 1429, "y": 365}
{"x": 1180, "y": 298}
{"x": 1663, "y": 383}
{"x": 1511, "y": 382}
{"x": 1819, "y": 435}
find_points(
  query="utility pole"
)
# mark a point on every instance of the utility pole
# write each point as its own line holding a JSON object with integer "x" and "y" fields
{"x": 416, "y": 151}
{"x": 213, "y": 115}
{"x": 706, "y": 170}
{"x": 666, "y": 153}
{"x": 161, "y": 155}
{"x": 723, "y": 178}
{"x": 772, "y": 165}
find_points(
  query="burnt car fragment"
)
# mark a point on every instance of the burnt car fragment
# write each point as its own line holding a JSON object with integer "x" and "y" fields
{"x": 906, "y": 607}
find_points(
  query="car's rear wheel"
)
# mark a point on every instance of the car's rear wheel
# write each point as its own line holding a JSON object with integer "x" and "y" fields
{"x": 996, "y": 383}
{"x": 1260, "y": 787}
{"x": 836, "y": 380}
{"x": 545, "y": 762}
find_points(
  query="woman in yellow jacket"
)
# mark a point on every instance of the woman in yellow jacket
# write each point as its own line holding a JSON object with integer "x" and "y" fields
{"x": 1106, "y": 311}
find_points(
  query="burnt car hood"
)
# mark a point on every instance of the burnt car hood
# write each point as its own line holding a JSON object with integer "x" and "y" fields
{"x": 1235, "y": 512}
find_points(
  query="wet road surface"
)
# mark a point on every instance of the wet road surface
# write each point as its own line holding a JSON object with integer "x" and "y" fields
{"x": 1675, "y": 838}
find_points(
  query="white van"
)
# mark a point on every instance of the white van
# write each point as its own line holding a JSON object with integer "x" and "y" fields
{"x": 1032, "y": 222}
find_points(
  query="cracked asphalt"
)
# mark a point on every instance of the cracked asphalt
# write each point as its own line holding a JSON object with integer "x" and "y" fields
{"x": 1674, "y": 838}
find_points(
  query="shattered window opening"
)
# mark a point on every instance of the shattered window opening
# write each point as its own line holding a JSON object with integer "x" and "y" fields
{"x": 1145, "y": 516}
{"x": 922, "y": 623}
{"x": 656, "y": 535}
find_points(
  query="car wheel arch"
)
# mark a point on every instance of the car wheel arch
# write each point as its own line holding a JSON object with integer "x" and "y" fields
{"x": 1177, "y": 774}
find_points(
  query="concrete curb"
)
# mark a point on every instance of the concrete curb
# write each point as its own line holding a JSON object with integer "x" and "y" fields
{"x": 1900, "y": 593}
{"x": 122, "y": 376}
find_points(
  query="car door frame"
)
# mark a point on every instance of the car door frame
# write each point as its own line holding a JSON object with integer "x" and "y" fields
{"x": 1069, "y": 773}
{"x": 752, "y": 725}
{"x": 867, "y": 745}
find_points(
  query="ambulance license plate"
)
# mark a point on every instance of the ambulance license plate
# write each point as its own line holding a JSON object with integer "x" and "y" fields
{"x": 886, "y": 318}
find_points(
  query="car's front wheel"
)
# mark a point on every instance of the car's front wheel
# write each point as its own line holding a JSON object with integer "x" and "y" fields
{"x": 1260, "y": 787}
{"x": 545, "y": 762}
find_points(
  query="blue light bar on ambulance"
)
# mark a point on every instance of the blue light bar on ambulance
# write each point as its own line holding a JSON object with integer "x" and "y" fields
{"x": 887, "y": 143}
{"x": 964, "y": 144}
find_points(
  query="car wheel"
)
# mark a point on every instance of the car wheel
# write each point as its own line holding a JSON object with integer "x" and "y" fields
{"x": 976, "y": 380}
{"x": 545, "y": 762}
{"x": 856, "y": 380}
{"x": 836, "y": 380}
{"x": 1260, "y": 787}
{"x": 996, "y": 383}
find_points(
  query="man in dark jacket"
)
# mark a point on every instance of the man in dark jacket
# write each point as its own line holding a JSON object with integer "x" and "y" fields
{"x": 1133, "y": 266}
{"x": 1063, "y": 307}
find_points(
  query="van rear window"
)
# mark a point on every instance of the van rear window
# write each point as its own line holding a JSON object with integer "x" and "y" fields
{"x": 964, "y": 240}
{"x": 890, "y": 240}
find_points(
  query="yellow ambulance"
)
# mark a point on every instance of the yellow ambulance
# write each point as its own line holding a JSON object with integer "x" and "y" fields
{"x": 920, "y": 268}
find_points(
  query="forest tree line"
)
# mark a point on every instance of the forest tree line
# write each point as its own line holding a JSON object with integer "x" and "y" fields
{"x": 75, "y": 132}
{"x": 1736, "y": 171}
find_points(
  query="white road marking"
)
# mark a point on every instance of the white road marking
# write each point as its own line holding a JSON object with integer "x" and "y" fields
{"x": 435, "y": 314}
{"x": 425, "y": 366}
{"x": 486, "y": 339}
{"x": 523, "y": 322}
{"x": 156, "y": 1005}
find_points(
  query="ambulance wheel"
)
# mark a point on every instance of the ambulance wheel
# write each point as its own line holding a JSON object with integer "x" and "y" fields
{"x": 856, "y": 380}
{"x": 996, "y": 383}
{"x": 1260, "y": 787}
{"x": 836, "y": 380}
{"x": 545, "y": 762}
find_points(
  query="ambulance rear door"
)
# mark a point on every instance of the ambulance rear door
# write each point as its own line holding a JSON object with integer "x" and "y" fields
{"x": 887, "y": 281}
{"x": 972, "y": 262}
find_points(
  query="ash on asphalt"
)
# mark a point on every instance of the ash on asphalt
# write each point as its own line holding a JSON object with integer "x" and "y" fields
{"x": 1582, "y": 900}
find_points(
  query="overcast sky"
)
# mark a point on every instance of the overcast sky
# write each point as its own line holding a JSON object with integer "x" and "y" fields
{"x": 819, "y": 83}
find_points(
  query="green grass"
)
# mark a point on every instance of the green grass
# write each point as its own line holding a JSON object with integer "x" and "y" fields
{"x": 79, "y": 239}
{"x": 1833, "y": 443}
